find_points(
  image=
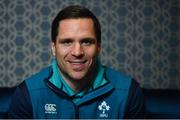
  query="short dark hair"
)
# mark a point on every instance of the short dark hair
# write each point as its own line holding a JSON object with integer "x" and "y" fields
{"x": 75, "y": 11}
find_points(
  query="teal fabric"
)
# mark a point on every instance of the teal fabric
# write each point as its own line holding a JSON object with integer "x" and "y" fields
{"x": 56, "y": 78}
{"x": 58, "y": 81}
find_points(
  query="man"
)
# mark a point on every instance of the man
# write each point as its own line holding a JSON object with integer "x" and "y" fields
{"x": 76, "y": 85}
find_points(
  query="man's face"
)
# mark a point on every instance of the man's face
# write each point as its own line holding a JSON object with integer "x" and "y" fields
{"x": 76, "y": 48}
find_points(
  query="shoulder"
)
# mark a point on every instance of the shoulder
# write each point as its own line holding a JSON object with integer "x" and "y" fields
{"x": 44, "y": 73}
{"x": 115, "y": 74}
{"x": 37, "y": 80}
{"x": 20, "y": 103}
{"x": 118, "y": 79}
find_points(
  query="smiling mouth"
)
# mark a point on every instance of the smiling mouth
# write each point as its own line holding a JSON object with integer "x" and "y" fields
{"x": 77, "y": 61}
{"x": 77, "y": 65}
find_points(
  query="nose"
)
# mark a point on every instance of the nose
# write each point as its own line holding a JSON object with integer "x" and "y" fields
{"x": 77, "y": 50}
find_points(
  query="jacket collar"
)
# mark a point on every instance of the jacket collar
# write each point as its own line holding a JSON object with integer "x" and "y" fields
{"x": 99, "y": 91}
{"x": 60, "y": 83}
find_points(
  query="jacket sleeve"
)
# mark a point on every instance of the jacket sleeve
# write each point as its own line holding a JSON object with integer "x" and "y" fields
{"x": 21, "y": 107}
{"x": 135, "y": 107}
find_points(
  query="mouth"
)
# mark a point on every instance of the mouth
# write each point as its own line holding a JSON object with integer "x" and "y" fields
{"x": 77, "y": 65}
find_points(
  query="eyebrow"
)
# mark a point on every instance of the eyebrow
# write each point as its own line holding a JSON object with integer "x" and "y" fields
{"x": 70, "y": 39}
{"x": 61, "y": 40}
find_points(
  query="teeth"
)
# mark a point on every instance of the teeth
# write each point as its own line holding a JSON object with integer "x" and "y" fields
{"x": 77, "y": 62}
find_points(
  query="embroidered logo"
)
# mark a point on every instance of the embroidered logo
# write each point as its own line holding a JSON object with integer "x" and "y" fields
{"x": 50, "y": 108}
{"x": 104, "y": 107}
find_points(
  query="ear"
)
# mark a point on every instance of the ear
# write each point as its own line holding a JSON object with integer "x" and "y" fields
{"x": 53, "y": 48}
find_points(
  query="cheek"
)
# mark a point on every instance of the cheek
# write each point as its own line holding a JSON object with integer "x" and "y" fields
{"x": 92, "y": 53}
{"x": 60, "y": 52}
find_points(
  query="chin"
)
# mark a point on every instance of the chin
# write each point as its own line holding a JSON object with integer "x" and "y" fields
{"x": 78, "y": 77}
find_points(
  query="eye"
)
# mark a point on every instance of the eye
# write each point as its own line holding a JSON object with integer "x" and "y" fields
{"x": 87, "y": 42}
{"x": 66, "y": 42}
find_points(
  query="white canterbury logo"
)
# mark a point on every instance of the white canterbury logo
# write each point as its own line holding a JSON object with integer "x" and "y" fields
{"x": 50, "y": 108}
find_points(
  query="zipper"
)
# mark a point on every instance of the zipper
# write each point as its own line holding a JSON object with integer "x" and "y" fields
{"x": 76, "y": 110}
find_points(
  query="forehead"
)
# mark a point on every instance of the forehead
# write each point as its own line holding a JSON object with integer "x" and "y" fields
{"x": 76, "y": 22}
{"x": 76, "y": 26}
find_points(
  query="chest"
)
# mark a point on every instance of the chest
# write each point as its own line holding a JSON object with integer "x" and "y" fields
{"x": 50, "y": 105}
